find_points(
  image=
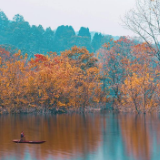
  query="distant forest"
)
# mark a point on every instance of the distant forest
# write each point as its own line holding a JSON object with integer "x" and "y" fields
{"x": 19, "y": 34}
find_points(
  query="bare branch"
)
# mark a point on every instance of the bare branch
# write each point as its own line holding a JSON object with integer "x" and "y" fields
{"x": 145, "y": 22}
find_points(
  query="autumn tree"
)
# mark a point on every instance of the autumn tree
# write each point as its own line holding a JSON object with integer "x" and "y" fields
{"x": 90, "y": 84}
{"x": 144, "y": 20}
{"x": 69, "y": 80}
{"x": 112, "y": 70}
{"x": 81, "y": 57}
{"x": 12, "y": 72}
{"x": 139, "y": 89}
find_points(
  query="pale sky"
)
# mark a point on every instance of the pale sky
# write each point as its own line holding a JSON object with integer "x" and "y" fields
{"x": 98, "y": 15}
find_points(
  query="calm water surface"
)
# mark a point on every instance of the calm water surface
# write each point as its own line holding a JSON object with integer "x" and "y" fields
{"x": 98, "y": 136}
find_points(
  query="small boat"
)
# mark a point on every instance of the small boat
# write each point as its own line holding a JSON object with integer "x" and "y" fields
{"x": 31, "y": 142}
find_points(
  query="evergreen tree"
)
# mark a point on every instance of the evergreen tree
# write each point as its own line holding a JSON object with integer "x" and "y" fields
{"x": 97, "y": 41}
{"x": 84, "y": 38}
{"x": 48, "y": 40}
{"x": 63, "y": 38}
{"x": 3, "y": 26}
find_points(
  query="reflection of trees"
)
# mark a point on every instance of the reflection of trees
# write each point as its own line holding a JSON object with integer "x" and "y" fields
{"x": 78, "y": 135}
{"x": 66, "y": 135}
{"x": 154, "y": 119}
{"x": 136, "y": 136}
{"x": 112, "y": 141}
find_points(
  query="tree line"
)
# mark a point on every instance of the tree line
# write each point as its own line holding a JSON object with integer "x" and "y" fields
{"x": 19, "y": 34}
{"x": 67, "y": 80}
{"x": 123, "y": 72}
{"x": 131, "y": 73}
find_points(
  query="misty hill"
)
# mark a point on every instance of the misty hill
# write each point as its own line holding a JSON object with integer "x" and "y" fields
{"x": 19, "y": 34}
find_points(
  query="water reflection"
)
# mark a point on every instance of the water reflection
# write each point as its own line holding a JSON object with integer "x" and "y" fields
{"x": 66, "y": 135}
{"x": 136, "y": 136}
{"x": 81, "y": 137}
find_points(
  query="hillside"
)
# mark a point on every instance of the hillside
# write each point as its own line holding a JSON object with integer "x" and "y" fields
{"x": 18, "y": 33}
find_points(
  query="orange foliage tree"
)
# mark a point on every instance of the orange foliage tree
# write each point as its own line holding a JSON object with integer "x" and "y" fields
{"x": 132, "y": 74}
{"x": 112, "y": 69}
{"x": 139, "y": 88}
{"x": 69, "y": 80}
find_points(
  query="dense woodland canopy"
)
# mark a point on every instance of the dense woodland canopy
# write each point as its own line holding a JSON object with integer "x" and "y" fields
{"x": 19, "y": 34}
{"x": 62, "y": 69}
{"x": 68, "y": 80}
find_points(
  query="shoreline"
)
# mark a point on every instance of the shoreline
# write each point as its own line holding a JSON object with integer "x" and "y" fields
{"x": 69, "y": 110}
{"x": 54, "y": 110}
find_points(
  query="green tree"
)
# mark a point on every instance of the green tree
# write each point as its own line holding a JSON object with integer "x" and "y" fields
{"x": 3, "y": 27}
{"x": 63, "y": 38}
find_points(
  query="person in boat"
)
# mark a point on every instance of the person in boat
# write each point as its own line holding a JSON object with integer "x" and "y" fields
{"x": 22, "y": 136}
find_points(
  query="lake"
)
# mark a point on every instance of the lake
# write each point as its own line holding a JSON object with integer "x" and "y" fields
{"x": 92, "y": 136}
